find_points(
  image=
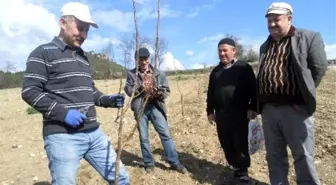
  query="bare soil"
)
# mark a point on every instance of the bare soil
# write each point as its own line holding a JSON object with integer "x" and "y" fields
{"x": 23, "y": 159}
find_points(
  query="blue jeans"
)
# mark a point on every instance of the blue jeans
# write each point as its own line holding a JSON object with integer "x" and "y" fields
{"x": 152, "y": 114}
{"x": 65, "y": 151}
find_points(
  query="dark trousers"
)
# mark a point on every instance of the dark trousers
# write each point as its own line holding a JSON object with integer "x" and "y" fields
{"x": 232, "y": 132}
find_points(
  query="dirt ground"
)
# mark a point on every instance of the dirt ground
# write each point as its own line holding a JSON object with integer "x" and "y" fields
{"x": 23, "y": 160}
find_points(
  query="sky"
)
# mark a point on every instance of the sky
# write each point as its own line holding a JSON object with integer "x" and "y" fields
{"x": 192, "y": 28}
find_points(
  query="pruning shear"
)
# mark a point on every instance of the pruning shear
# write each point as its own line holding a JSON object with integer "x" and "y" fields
{"x": 84, "y": 110}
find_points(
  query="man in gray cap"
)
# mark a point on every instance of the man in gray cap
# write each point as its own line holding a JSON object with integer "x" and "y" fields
{"x": 58, "y": 84}
{"x": 155, "y": 90}
{"x": 292, "y": 65}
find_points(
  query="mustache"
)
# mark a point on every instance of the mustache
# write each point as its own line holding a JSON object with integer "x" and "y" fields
{"x": 80, "y": 39}
{"x": 274, "y": 27}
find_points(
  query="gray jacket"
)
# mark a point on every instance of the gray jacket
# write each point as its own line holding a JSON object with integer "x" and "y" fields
{"x": 310, "y": 64}
{"x": 136, "y": 104}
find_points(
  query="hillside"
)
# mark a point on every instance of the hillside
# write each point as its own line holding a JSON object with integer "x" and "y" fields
{"x": 102, "y": 68}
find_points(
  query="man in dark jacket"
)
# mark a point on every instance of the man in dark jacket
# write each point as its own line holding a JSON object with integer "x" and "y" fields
{"x": 155, "y": 90}
{"x": 292, "y": 65}
{"x": 231, "y": 102}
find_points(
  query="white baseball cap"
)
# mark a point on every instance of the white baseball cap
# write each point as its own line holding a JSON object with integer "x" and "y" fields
{"x": 279, "y": 8}
{"x": 78, "y": 10}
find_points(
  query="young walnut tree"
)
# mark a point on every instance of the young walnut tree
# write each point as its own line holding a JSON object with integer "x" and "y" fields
{"x": 121, "y": 142}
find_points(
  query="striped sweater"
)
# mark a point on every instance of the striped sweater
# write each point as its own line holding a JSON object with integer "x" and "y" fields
{"x": 276, "y": 80}
{"x": 58, "y": 78}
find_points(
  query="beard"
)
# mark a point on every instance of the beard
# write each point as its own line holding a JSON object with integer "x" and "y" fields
{"x": 73, "y": 41}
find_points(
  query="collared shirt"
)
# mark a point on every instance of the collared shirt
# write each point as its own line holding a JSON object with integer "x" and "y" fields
{"x": 230, "y": 64}
{"x": 58, "y": 78}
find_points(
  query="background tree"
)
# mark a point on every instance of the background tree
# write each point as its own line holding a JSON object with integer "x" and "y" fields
{"x": 9, "y": 66}
{"x": 127, "y": 47}
{"x": 242, "y": 53}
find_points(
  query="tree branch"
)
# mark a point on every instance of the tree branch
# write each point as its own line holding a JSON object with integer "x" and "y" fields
{"x": 121, "y": 122}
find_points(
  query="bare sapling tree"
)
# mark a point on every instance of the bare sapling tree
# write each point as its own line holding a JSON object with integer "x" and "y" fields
{"x": 198, "y": 84}
{"x": 157, "y": 41}
{"x": 108, "y": 53}
{"x": 154, "y": 72}
{"x": 121, "y": 120}
{"x": 181, "y": 94}
{"x": 122, "y": 144}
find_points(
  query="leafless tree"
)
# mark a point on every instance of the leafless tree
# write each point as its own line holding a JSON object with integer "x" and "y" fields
{"x": 128, "y": 45}
{"x": 109, "y": 50}
{"x": 9, "y": 66}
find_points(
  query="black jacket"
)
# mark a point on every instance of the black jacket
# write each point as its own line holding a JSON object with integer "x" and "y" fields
{"x": 231, "y": 90}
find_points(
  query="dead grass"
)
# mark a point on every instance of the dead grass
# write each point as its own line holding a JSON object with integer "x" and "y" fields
{"x": 195, "y": 139}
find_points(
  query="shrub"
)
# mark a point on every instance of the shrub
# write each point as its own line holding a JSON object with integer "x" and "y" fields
{"x": 31, "y": 110}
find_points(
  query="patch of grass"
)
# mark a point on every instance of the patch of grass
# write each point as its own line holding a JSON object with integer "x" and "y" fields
{"x": 181, "y": 77}
{"x": 31, "y": 110}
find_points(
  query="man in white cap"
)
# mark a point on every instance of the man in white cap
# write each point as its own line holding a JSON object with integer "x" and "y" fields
{"x": 58, "y": 84}
{"x": 292, "y": 65}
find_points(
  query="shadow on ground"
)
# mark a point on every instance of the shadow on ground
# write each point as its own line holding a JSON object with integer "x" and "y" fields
{"x": 205, "y": 171}
{"x": 201, "y": 170}
{"x": 133, "y": 160}
{"x": 42, "y": 183}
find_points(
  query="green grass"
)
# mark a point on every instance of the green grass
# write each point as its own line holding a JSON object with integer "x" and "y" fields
{"x": 31, "y": 110}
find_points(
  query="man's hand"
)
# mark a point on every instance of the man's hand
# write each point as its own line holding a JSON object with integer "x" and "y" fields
{"x": 117, "y": 100}
{"x": 251, "y": 114}
{"x": 212, "y": 119}
{"x": 147, "y": 86}
{"x": 158, "y": 93}
{"x": 74, "y": 118}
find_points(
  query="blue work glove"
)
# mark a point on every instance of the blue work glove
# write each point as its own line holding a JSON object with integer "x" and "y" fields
{"x": 74, "y": 118}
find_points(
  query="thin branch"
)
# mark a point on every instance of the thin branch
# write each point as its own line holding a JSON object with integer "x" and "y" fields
{"x": 181, "y": 94}
{"x": 117, "y": 163}
{"x": 157, "y": 41}
{"x": 120, "y": 86}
